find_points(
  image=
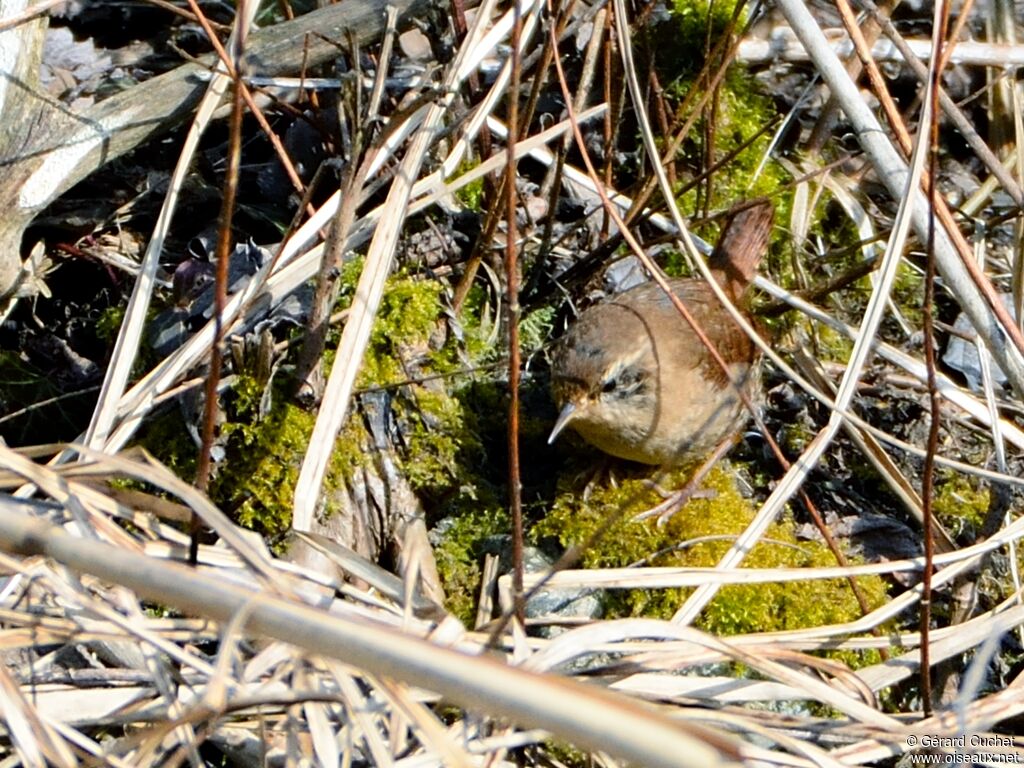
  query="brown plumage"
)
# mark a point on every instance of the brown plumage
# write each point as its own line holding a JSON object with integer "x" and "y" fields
{"x": 633, "y": 378}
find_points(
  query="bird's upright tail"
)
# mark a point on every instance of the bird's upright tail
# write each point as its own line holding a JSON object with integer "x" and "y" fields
{"x": 743, "y": 243}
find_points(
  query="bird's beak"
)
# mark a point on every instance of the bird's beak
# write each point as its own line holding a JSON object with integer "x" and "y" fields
{"x": 567, "y": 414}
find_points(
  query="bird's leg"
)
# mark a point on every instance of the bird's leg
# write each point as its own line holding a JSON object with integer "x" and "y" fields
{"x": 604, "y": 471}
{"x": 675, "y": 500}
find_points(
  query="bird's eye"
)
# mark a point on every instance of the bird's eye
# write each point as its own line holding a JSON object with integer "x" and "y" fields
{"x": 609, "y": 385}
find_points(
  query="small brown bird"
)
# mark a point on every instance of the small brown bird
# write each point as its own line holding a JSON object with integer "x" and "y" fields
{"x": 634, "y": 379}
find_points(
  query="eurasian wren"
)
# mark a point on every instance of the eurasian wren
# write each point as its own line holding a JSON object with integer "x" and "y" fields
{"x": 634, "y": 379}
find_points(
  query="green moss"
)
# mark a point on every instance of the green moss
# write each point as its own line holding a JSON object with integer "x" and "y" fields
{"x": 109, "y": 323}
{"x": 440, "y": 445}
{"x": 437, "y": 441}
{"x": 908, "y": 294}
{"x": 694, "y": 19}
{"x": 738, "y": 113}
{"x": 795, "y": 436}
{"x": 699, "y": 535}
{"x": 437, "y": 447}
{"x": 535, "y": 329}
{"x": 459, "y": 552}
{"x": 742, "y": 113}
{"x": 564, "y": 753}
{"x": 441, "y": 440}
{"x": 408, "y": 314}
{"x": 256, "y": 483}
{"x": 827, "y": 344}
{"x": 472, "y": 194}
{"x": 960, "y": 503}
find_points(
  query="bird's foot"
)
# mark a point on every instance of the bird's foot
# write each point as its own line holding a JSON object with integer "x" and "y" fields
{"x": 674, "y": 500}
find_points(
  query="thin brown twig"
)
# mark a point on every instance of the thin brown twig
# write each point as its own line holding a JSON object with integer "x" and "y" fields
{"x": 40, "y": 404}
{"x": 512, "y": 304}
{"x": 172, "y": 8}
{"x": 863, "y": 50}
{"x": 710, "y": 122}
{"x": 661, "y": 115}
{"x": 695, "y": 100}
{"x": 475, "y": 259}
{"x": 224, "y": 243}
{"x": 250, "y": 102}
{"x": 34, "y": 12}
{"x": 939, "y": 38}
{"x": 307, "y": 366}
{"x": 610, "y": 118}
